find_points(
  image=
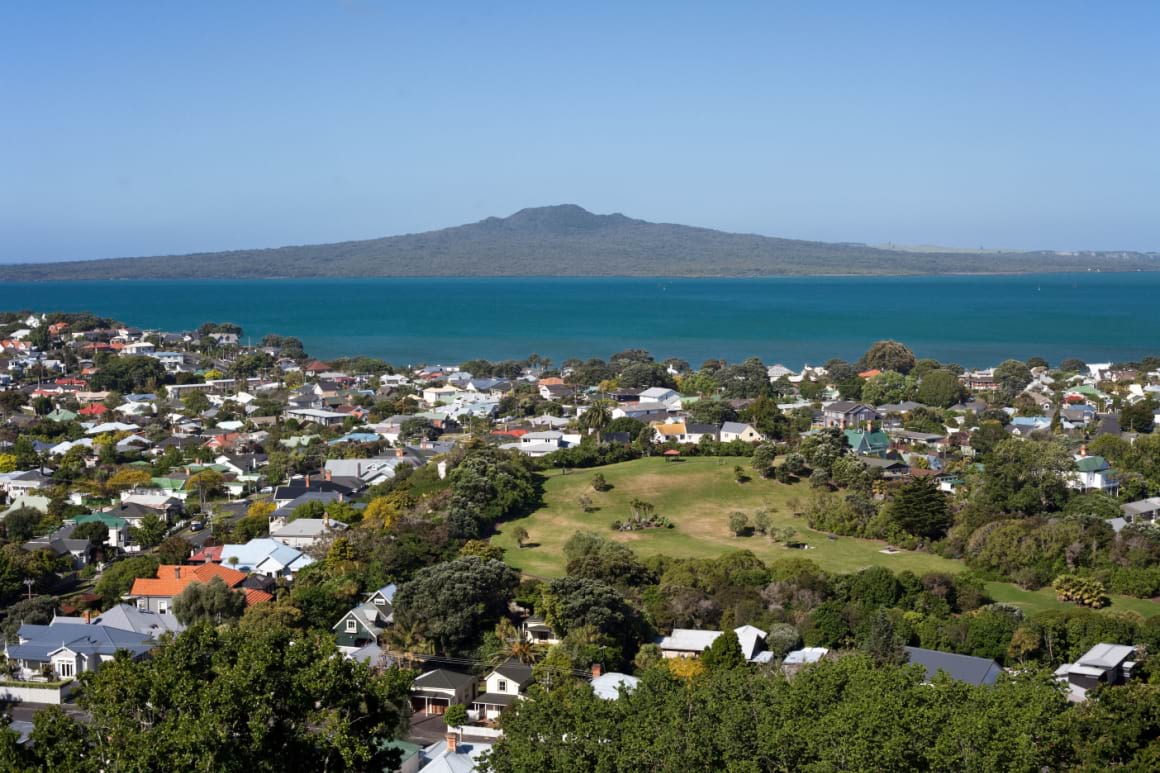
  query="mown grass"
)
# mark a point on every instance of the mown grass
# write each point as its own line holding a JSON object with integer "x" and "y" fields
{"x": 698, "y": 494}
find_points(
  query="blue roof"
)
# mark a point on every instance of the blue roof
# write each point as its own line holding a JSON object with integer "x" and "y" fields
{"x": 37, "y": 642}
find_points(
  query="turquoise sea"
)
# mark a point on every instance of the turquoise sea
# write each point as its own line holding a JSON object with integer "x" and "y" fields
{"x": 972, "y": 320}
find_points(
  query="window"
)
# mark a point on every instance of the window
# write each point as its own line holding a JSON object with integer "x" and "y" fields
{"x": 502, "y": 685}
{"x": 380, "y": 601}
{"x": 65, "y": 669}
{"x": 351, "y": 626}
{"x": 163, "y": 607}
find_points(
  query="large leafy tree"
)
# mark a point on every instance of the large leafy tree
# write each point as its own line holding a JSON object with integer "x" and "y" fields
{"x": 212, "y": 601}
{"x": 1026, "y": 476}
{"x": 454, "y": 602}
{"x": 1012, "y": 376}
{"x": 941, "y": 389}
{"x": 889, "y": 355}
{"x": 921, "y": 509}
{"x": 263, "y": 699}
{"x": 131, "y": 373}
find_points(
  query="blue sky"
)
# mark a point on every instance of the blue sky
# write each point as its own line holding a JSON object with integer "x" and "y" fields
{"x": 149, "y": 128}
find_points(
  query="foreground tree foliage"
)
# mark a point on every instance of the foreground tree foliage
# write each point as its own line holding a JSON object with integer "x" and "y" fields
{"x": 224, "y": 700}
{"x": 843, "y": 715}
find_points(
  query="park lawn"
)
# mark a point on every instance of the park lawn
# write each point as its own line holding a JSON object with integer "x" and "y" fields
{"x": 698, "y": 494}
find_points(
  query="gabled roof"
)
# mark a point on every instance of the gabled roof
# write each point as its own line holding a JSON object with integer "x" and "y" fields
{"x": 128, "y": 618}
{"x": 171, "y": 580}
{"x": 964, "y": 668}
{"x": 441, "y": 678}
{"x": 37, "y": 642}
{"x": 520, "y": 673}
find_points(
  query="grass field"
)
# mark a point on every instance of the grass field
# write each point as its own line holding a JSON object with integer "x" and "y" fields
{"x": 698, "y": 494}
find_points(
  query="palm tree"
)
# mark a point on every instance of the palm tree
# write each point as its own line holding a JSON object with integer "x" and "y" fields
{"x": 406, "y": 643}
{"x": 597, "y": 417}
{"x": 513, "y": 646}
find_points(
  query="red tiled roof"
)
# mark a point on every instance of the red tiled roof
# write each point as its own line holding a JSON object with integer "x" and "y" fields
{"x": 171, "y": 579}
{"x": 96, "y": 409}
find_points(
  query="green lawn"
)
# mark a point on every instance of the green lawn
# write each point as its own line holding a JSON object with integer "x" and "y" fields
{"x": 698, "y": 494}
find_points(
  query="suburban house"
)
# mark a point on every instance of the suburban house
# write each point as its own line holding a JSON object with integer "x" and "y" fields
{"x": 360, "y": 626}
{"x": 607, "y": 686}
{"x": 67, "y": 647}
{"x": 963, "y": 668}
{"x": 1102, "y": 664}
{"x": 156, "y": 594}
{"x": 304, "y": 532}
{"x": 127, "y": 617}
{"x": 863, "y": 443}
{"x": 502, "y": 687}
{"x": 1142, "y": 510}
{"x": 735, "y": 430}
{"x": 265, "y": 556}
{"x": 537, "y": 631}
{"x": 846, "y": 413}
{"x": 433, "y": 691}
{"x": 1093, "y": 473}
{"x": 690, "y": 642}
{"x": 797, "y": 659}
{"x": 319, "y": 416}
{"x": 684, "y": 432}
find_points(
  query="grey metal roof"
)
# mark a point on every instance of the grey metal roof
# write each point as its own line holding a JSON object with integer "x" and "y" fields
{"x": 964, "y": 668}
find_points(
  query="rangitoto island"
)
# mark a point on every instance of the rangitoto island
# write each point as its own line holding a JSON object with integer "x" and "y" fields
{"x": 568, "y": 240}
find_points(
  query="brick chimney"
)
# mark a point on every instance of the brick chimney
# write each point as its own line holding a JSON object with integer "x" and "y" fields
{"x": 177, "y": 572}
{"x": 452, "y": 742}
{"x": 596, "y": 670}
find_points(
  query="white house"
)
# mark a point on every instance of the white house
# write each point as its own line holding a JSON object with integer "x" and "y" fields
{"x": 502, "y": 687}
{"x": 733, "y": 430}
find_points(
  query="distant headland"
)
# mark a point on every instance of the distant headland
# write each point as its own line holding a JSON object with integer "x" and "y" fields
{"x": 568, "y": 240}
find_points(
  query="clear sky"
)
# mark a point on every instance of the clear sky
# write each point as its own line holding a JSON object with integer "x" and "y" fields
{"x": 131, "y": 128}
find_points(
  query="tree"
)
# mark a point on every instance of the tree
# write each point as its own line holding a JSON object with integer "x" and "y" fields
{"x": 204, "y": 482}
{"x": 919, "y": 508}
{"x": 150, "y": 531}
{"x": 195, "y": 403}
{"x": 95, "y": 532}
{"x": 174, "y": 550}
{"x": 455, "y": 716}
{"x": 599, "y": 484}
{"x": 763, "y": 521}
{"x": 882, "y": 641}
{"x": 889, "y": 386}
{"x": 889, "y": 355}
{"x": 481, "y": 549}
{"x": 21, "y": 524}
{"x": 118, "y": 578}
{"x": 738, "y": 523}
{"x": 381, "y": 512}
{"x": 232, "y": 701}
{"x": 212, "y": 601}
{"x": 128, "y": 373}
{"x": 1025, "y": 476}
{"x": 596, "y": 417}
{"x": 1139, "y": 416}
{"x": 127, "y": 478}
{"x": 763, "y": 458}
{"x": 941, "y": 389}
{"x": 521, "y": 535}
{"x": 453, "y": 602}
{"x": 38, "y": 610}
{"x": 724, "y": 653}
{"x": 1012, "y": 376}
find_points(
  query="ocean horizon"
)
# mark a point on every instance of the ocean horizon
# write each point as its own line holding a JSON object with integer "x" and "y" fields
{"x": 974, "y": 320}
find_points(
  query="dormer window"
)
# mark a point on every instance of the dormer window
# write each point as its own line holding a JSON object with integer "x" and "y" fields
{"x": 351, "y": 626}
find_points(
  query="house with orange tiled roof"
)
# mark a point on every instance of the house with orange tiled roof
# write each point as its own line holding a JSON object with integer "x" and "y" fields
{"x": 156, "y": 594}
{"x": 870, "y": 373}
{"x": 550, "y": 381}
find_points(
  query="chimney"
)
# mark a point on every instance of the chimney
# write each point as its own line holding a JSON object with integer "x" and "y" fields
{"x": 326, "y": 474}
{"x": 1083, "y": 450}
{"x": 88, "y": 616}
{"x": 596, "y": 670}
{"x": 452, "y": 742}
{"x": 177, "y": 572}
{"x": 358, "y": 470}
